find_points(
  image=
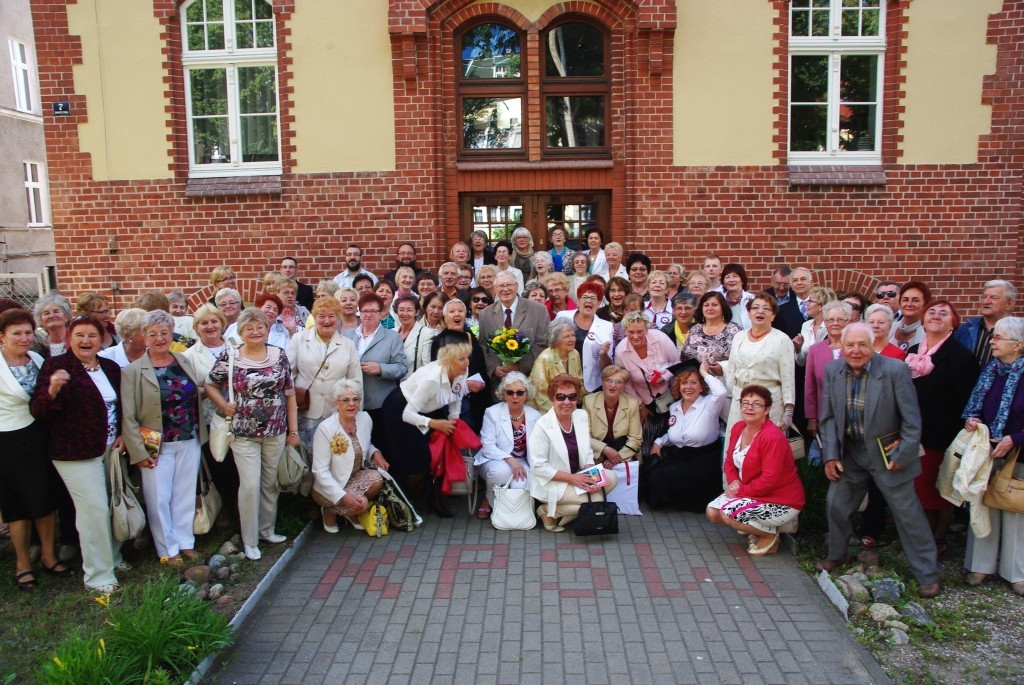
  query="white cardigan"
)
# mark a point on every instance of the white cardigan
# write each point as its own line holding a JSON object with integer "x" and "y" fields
{"x": 601, "y": 332}
{"x": 305, "y": 355}
{"x": 496, "y": 432}
{"x": 549, "y": 455}
{"x": 332, "y": 471}
{"x": 14, "y": 413}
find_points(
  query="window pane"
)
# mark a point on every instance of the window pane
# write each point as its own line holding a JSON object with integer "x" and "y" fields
{"x": 264, "y": 34}
{"x": 263, "y": 10}
{"x": 215, "y": 37}
{"x": 243, "y": 35}
{"x": 497, "y": 221}
{"x": 801, "y": 23}
{"x": 575, "y": 50}
{"x": 807, "y": 128}
{"x": 575, "y": 122}
{"x": 214, "y": 10}
{"x": 243, "y": 9}
{"x": 492, "y": 123}
{"x": 819, "y": 21}
{"x": 209, "y": 88}
{"x": 196, "y": 37}
{"x": 490, "y": 51}
{"x": 259, "y": 138}
{"x": 858, "y": 78}
{"x": 860, "y": 17}
{"x": 210, "y": 140}
{"x": 809, "y": 78}
{"x": 194, "y": 12}
{"x": 256, "y": 91}
{"x": 857, "y": 127}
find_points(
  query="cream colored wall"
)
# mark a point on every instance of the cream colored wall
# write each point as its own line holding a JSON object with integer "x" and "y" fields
{"x": 531, "y": 9}
{"x": 947, "y": 59}
{"x": 122, "y": 78}
{"x": 344, "y": 104}
{"x": 723, "y": 83}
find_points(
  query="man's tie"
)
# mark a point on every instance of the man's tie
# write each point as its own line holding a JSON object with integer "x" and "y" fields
{"x": 508, "y": 318}
{"x": 803, "y": 308}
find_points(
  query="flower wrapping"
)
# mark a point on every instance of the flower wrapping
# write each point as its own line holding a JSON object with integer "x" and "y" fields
{"x": 509, "y": 345}
{"x": 339, "y": 444}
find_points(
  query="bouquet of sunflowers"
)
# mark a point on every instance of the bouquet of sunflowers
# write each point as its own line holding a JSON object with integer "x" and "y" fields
{"x": 510, "y": 345}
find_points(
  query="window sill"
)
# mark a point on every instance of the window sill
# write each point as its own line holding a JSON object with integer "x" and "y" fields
{"x": 233, "y": 186}
{"x": 546, "y": 164}
{"x": 812, "y": 175}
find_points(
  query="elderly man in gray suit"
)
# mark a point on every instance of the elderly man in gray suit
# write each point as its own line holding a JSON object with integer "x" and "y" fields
{"x": 512, "y": 311}
{"x": 869, "y": 398}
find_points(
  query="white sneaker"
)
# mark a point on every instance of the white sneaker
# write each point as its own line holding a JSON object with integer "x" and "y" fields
{"x": 106, "y": 589}
{"x": 273, "y": 538}
{"x": 252, "y": 553}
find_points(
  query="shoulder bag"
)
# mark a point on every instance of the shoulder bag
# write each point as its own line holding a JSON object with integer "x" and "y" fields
{"x": 127, "y": 518}
{"x": 302, "y": 394}
{"x": 597, "y": 518}
{"x": 294, "y": 465}
{"x": 1005, "y": 491}
{"x": 221, "y": 436}
{"x": 512, "y": 508}
{"x": 208, "y": 502}
{"x": 796, "y": 443}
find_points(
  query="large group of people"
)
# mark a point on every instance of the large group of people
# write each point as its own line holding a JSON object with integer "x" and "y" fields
{"x": 694, "y": 376}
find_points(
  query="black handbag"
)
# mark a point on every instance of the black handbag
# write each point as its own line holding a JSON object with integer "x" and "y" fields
{"x": 597, "y": 518}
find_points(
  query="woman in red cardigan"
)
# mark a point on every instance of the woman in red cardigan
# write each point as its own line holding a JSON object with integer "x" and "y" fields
{"x": 764, "y": 491}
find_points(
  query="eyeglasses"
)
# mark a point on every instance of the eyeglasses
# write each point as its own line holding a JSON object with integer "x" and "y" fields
{"x": 831, "y": 321}
{"x": 364, "y": 312}
{"x": 485, "y": 300}
{"x": 999, "y": 338}
{"x": 153, "y": 335}
{"x": 226, "y": 278}
{"x": 229, "y": 302}
{"x": 563, "y": 397}
{"x": 588, "y": 298}
{"x": 747, "y": 404}
{"x": 854, "y": 306}
{"x": 882, "y": 294}
{"x": 637, "y": 268}
{"x": 515, "y": 393}
{"x": 349, "y": 400}
{"x": 810, "y": 301}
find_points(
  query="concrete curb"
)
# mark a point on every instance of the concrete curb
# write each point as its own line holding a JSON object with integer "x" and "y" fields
{"x": 257, "y": 594}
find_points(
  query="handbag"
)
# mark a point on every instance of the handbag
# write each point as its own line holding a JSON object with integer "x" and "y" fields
{"x": 626, "y": 495}
{"x": 796, "y": 443}
{"x": 302, "y": 394}
{"x": 292, "y": 468}
{"x": 208, "y": 502}
{"x": 221, "y": 436}
{"x": 1005, "y": 491}
{"x": 401, "y": 514}
{"x": 375, "y": 521}
{"x": 597, "y": 518}
{"x": 127, "y": 518}
{"x": 512, "y": 508}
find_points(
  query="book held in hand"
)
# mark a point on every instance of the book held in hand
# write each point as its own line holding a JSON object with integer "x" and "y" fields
{"x": 888, "y": 444}
{"x": 152, "y": 440}
{"x": 596, "y": 474}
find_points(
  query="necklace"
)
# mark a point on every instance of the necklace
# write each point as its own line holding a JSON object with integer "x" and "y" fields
{"x": 757, "y": 336}
{"x": 745, "y": 444}
{"x": 567, "y": 432}
{"x": 91, "y": 369}
{"x": 516, "y": 419}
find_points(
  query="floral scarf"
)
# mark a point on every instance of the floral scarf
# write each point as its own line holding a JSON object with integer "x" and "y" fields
{"x": 1014, "y": 371}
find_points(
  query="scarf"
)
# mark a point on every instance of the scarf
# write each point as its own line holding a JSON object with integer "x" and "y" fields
{"x": 920, "y": 362}
{"x": 1013, "y": 371}
{"x": 909, "y": 330}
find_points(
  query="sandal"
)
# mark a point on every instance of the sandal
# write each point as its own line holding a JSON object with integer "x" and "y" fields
{"x": 25, "y": 584}
{"x": 975, "y": 579}
{"x": 175, "y": 561}
{"x": 483, "y": 512}
{"x": 53, "y": 571}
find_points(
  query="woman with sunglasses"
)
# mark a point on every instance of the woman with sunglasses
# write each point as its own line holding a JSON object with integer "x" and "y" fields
{"x": 559, "y": 449}
{"x": 479, "y": 300}
{"x": 503, "y": 459}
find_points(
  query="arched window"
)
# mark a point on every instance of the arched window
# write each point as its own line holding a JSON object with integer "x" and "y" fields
{"x": 229, "y": 56}
{"x": 492, "y": 89}
{"x": 575, "y": 89}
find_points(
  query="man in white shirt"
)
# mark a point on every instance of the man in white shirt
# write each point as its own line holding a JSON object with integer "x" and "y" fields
{"x": 712, "y": 268}
{"x": 353, "y": 263}
{"x": 512, "y": 311}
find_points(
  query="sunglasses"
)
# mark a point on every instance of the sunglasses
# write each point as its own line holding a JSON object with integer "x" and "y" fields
{"x": 485, "y": 300}
{"x": 882, "y": 294}
{"x": 854, "y": 307}
{"x": 563, "y": 397}
{"x": 515, "y": 393}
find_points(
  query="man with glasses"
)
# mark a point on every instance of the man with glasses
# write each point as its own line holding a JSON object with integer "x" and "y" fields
{"x": 353, "y": 268}
{"x": 287, "y": 268}
{"x": 512, "y": 311}
{"x": 406, "y": 256}
{"x": 888, "y": 293}
{"x": 780, "y": 285}
{"x": 997, "y": 299}
{"x": 868, "y": 402}
{"x": 793, "y": 312}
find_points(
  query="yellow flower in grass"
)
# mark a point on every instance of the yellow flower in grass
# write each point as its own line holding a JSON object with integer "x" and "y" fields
{"x": 60, "y": 664}
{"x": 103, "y": 600}
{"x": 512, "y": 345}
{"x": 339, "y": 444}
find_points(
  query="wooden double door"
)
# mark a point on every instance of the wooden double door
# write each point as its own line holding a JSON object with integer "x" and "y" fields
{"x": 498, "y": 215}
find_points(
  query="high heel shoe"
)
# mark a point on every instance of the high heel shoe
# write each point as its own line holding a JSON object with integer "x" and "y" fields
{"x": 328, "y": 528}
{"x": 772, "y": 548}
{"x": 354, "y": 523}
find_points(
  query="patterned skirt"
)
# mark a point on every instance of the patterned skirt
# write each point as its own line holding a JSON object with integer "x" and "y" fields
{"x": 764, "y": 516}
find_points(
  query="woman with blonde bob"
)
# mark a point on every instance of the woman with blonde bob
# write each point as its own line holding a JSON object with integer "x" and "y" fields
{"x": 345, "y": 461}
{"x": 129, "y": 325}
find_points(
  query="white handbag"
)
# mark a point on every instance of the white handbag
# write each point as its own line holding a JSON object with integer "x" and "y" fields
{"x": 208, "y": 502}
{"x": 221, "y": 436}
{"x": 512, "y": 508}
{"x": 626, "y": 493}
{"x": 127, "y": 518}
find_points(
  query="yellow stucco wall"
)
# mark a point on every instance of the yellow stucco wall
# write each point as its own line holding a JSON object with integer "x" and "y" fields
{"x": 344, "y": 104}
{"x": 722, "y": 83}
{"x": 531, "y": 9}
{"x": 946, "y": 60}
{"x": 122, "y": 78}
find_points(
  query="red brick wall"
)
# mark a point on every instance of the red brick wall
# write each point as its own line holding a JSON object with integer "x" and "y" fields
{"x": 953, "y": 225}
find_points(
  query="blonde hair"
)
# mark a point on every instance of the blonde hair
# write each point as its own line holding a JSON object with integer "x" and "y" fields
{"x": 206, "y": 311}
{"x": 220, "y": 273}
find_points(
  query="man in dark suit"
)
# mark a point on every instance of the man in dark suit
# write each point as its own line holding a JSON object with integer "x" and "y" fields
{"x": 514, "y": 312}
{"x": 287, "y": 268}
{"x": 868, "y": 399}
{"x": 793, "y": 312}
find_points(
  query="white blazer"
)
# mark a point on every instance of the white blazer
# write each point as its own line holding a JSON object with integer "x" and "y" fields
{"x": 601, "y": 332}
{"x": 496, "y": 432}
{"x": 332, "y": 471}
{"x": 340, "y": 360}
{"x": 417, "y": 347}
{"x": 14, "y": 413}
{"x": 548, "y": 456}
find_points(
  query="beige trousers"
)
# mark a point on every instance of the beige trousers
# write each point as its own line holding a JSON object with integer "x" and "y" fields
{"x": 257, "y": 460}
{"x": 568, "y": 507}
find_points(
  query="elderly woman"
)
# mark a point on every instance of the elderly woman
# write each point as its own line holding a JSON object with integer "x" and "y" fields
{"x": 689, "y": 471}
{"x": 997, "y": 402}
{"x": 764, "y": 491}
{"x": 271, "y": 305}
{"x": 133, "y": 343}
{"x": 348, "y": 298}
{"x": 405, "y": 282}
{"x": 594, "y": 335}
{"x": 559, "y": 299}
{"x": 78, "y": 394}
{"x": 479, "y": 253}
{"x": 406, "y": 308}
{"x": 674, "y": 272}
{"x": 160, "y": 394}
{"x": 386, "y": 292}
{"x": 646, "y": 355}
{"x": 579, "y": 270}
{"x": 28, "y": 496}
{"x": 543, "y": 266}
{"x": 559, "y": 358}
{"x": 456, "y": 331}
{"x": 697, "y": 283}
{"x": 734, "y": 286}
{"x": 428, "y": 400}
{"x": 616, "y": 292}
{"x": 908, "y": 331}
{"x": 223, "y": 277}
{"x": 710, "y": 339}
{"x": 503, "y": 262}
{"x": 53, "y": 312}
{"x": 262, "y": 412}
{"x": 944, "y": 373}
{"x": 319, "y": 357}
{"x": 762, "y": 356}
{"x": 657, "y": 310}
{"x": 417, "y": 342}
{"x": 559, "y": 449}
{"x": 229, "y": 302}
{"x": 381, "y": 358}
{"x": 639, "y": 267}
{"x": 594, "y": 240}
{"x": 561, "y": 256}
{"x": 485, "y": 278}
{"x": 880, "y": 317}
{"x": 522, "y": 252}
{"x": 616, "y": 434}
{"x": 684, "y": 304}
{"x": 97, "y": 306}
{"x": 345, "y": 461}
{"x": 507, "y": 425}
{"x": 813, "y": 329}
{"x": 536, "y": 291}
{"x": 836, "y": 315}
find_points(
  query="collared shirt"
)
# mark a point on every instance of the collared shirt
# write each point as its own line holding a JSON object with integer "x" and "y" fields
{"x": 801, "y": 304}
{"x": 364, "y": 340}
{"x": 698, "y": 426}
{"x": 345, "y": 278}
{"x": 983, "y": 348}
{"x": 856, "y": 386}
{"x": 782, "y": 300}
{"x": 514, "y": 307}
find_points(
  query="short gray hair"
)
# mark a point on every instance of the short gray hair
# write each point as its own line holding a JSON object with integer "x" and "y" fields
{"x": 840, "y": 306}
{"x": 858, "y": 327}
{"x": 347, "y": 385}
{"x": 879, "y": 308}
{"x": 52, "y": 298}
{"x": 251, "y": 315}
{"x": 1011, "y": 292}
{"x": 158, "y": 317}
{"x": 635, "y": 317}
{"x": 131, "y": 321}
{"x": 544, "y": 257}
{"x": 513, "y": 377}
{"x": 1011, "y": 328}
{"x": 558, "y": 326}
{"x": 226, "y": 292}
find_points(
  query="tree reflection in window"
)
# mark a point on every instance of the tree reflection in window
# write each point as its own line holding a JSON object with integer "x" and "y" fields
{"x": 490, "y": 51}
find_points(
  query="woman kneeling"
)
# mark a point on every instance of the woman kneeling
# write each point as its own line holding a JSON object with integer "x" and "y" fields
{"x": 764, "y": 491}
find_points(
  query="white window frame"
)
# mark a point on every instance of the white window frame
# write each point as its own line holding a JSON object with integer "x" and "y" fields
{"x": 231, "y": 58}
{"x": 22, "y": 72}
{"x": 834, "y": 46}
{"x": 38, "y": 215}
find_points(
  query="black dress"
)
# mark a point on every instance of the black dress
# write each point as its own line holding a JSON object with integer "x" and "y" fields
{"x": 477, "y": 401}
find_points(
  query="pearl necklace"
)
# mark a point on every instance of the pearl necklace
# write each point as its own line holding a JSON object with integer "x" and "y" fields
{"x": 567, "y": 432}
{"x": 517, "y": 418}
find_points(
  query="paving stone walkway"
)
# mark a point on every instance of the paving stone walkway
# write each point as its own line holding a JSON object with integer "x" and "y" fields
{"x": 671, "y": 599}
